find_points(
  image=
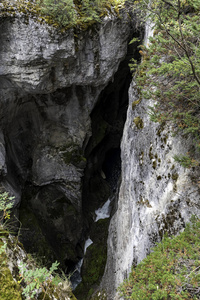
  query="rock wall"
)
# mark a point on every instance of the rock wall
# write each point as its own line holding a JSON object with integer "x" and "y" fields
{"x": 49, "y": 85}
{"x": 157, "y": 195}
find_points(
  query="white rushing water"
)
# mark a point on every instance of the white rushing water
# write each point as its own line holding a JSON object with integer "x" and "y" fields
{"x": 76, "y": 276}
{"x": 104, "y": 211}
{"x": 87, "y": 244}
{"x": 101, "y": 213}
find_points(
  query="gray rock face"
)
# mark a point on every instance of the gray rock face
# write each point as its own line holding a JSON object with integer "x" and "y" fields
{"x": 3, "y": 168}
{"x": 49, "y": 84}
{"x": 38, "y": 59}
{"x": 157, "y": 195}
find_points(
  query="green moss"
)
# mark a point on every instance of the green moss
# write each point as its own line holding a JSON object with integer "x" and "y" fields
{"x": 73, "y": 157}
{"x": 94, "y": 261}
{"x": 96, "y": 264}
{"x": 34, "y": 234}
{"x": 134, "y": 103}
{"x": 165, "y": 138}
{"x": 159, "y": 177}
{"x": 9, "y": 289}
{"x": 138, "y": 122}
{"x": 71, "y": 154}
{"x": 175, "y": 176}
{"x": 151, "y": 156}
{"x": 144, "y": 202}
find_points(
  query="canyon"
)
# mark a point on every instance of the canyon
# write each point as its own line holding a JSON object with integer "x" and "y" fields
{"x": 72, "y": 134}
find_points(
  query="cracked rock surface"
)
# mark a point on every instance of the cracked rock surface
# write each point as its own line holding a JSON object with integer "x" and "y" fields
{"x": 49, "y": 85}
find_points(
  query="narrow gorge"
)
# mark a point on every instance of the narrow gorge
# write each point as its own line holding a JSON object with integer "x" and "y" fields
{"x": 75, "y": 133}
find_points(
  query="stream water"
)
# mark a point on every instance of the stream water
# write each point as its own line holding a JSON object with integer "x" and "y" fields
{"x": 101, "y": 213}
{"x": 76, "y": 276}
{"x": 104, "y": 211}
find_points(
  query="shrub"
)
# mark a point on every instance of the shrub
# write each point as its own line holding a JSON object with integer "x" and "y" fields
{"x": 171, "y": 271}
{"x": 36, "y": 278}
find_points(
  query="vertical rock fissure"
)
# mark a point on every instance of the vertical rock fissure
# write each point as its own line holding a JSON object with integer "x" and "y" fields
{"x": 103, "y": 149}
{"x": 102, "y": 173}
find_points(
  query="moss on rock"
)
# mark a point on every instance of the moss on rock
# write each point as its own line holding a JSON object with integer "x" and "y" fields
{"x": 35, "y": 234}
{"x": 9, "y": 288}
{"x": 175, "y": 176}
{"x": 94, "y": 261}
{"x": 138, "y": 122}
{"x": 134, "y": 103}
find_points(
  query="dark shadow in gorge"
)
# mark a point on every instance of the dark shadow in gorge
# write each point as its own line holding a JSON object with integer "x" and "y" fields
{"x": 103, "y": 149}
{"x": 103, "y": 170}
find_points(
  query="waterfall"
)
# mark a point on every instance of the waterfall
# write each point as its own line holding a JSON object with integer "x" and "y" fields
{"x": 104, "y": 211}
{"x": 76, "y": 276}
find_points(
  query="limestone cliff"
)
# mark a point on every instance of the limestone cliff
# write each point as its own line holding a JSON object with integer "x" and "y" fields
{"x": 156, "y": 195}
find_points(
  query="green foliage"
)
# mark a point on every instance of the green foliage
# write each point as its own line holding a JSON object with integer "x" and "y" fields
{"x": 171, "y": 271}
{"x": 32, "y": 278}
{"x": 186, "y": 161}
{"x": 63, "y": 14}
{"x": 6, "y": 203}
{"x": 94, "y": 270}
{"x": 36, "y": 278}
{"x": 9, "y": 289}
{"x": 170, "y": 69}
{"x": 72, "y": 13}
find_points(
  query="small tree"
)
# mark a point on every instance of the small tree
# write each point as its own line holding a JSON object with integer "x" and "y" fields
{"x": 170, "y": 68}
{"x": 36, "y": 278}
{"x": 62, "y": 12}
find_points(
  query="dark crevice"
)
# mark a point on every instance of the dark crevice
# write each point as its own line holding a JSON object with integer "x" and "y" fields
{"x": 103, "y": 149}
{"x": 103, "y": 170}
